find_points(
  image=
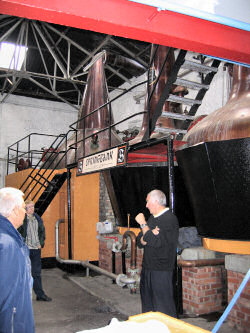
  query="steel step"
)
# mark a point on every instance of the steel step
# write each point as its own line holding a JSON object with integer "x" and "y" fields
{"x": 167, "y": 130}
{"x": 173, "y": 115}
{"x": 183, "y": 100}
{"x": 194, "y": 66}
{"x": 191, "y": 84}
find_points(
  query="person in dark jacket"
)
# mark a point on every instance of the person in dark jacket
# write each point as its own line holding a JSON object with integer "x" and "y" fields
{"x": 16, "y": 313}
{"x": 33, "y": 232}
{"x": 158, "y": 237}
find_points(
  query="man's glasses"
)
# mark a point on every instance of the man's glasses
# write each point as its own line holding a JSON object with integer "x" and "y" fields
{"x": 27, "y": 207}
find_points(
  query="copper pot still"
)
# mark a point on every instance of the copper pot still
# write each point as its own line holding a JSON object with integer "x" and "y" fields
{"x": 232, "y": 121}
{"x": 96, "y": 95}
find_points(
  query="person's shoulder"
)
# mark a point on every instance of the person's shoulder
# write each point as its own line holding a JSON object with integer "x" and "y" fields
{"x": 169, "y": 213}
{"x": 38, "y": 217}
{"x": 7, "y": 241}
{"x": 171, "y": 217}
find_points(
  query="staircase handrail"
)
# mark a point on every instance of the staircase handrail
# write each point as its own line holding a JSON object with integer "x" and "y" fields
{"x": 41, "y": 172}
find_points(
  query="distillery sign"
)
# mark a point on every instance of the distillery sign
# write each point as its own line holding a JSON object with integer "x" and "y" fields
{"x": 102, "y": 160}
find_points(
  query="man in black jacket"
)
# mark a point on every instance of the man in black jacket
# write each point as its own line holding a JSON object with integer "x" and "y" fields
{"x": 33, "y": 232}
{"x": 158, "y": 237}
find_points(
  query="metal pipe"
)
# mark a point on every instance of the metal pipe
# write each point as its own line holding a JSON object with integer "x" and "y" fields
{"x": 170, "y": 154}
{"x": 124, "y": 271}
{"x": 121, "y": 279}
{"x": 17, "y": 152}
{"x": 131, "y": 54}
{"x": 132, "y": 236}
{"x": 200, "y": 262}
{"x": 29, "y": 148}
{"x": 8, "y": 160}
{"x": 69, "y": 212}
{"x": 113, "y": 264}
{"x": 83, "y": 62}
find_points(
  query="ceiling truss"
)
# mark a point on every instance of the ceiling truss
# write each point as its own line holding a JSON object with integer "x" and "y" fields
{"x": 53, "y": 65}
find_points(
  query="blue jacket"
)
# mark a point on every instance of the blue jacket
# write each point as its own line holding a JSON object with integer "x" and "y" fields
{"x": 16, "y": 313}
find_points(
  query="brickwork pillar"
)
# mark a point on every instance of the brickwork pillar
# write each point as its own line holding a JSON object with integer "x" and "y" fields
{"x": 237, "y": 267}
{"x": 105, "y": 210}
{"x": 203, "y": 289}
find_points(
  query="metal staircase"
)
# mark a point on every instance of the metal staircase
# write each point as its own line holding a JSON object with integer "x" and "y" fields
{"x": 50, "y": 192}
{"x": 206, "y": 72}
{"x": 43, "y": 183}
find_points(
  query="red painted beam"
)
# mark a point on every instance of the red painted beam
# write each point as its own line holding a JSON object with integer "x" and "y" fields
{"x": 141, "y": 22}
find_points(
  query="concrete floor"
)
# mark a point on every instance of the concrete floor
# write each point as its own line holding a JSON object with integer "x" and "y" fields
{"x": 83, "y": 303}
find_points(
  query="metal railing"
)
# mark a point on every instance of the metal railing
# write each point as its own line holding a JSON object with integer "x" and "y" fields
{"x": 26, "y": 149}
{"x": 44, "y": 161}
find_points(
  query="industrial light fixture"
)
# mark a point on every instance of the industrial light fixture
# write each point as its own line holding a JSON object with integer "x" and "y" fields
{"x": 12, "y": 55}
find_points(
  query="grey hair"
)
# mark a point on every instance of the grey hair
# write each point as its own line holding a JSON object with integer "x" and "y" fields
{"x": 159, "y": 196}
{"x": 10, "y": 197}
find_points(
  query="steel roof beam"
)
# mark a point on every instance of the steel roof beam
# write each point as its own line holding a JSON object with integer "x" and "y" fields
{"x": 57, "y": 60}
{"x": 82, "y": 63}
{"x": 41, "y": 54}
{"x": 129, "y": 52}
{"x": 15, "y": 85}
{"x": 86, "y": 52}
{"x": 4, "y": 36}
{"x": 67, "y": 61}
{"x": 52, "y": 92}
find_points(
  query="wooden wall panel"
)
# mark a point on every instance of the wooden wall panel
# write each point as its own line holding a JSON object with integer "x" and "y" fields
{"x": 85, "y": 215}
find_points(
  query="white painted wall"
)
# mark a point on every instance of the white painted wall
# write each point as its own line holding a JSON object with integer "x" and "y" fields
{"x": 126, "y": 105}
{"x": 21, "y": 116}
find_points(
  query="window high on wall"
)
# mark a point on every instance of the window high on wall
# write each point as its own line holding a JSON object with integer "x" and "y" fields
{"x": 12, "y": 55}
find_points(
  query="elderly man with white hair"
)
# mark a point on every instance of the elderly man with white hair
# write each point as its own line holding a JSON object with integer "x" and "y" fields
{"x": 16, "y": 313}
{"x": 158, "y": 237}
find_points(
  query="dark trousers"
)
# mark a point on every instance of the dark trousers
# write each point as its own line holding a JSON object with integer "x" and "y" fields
{"x": 156, "y": 289}
{"x": 35, "y": 258}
